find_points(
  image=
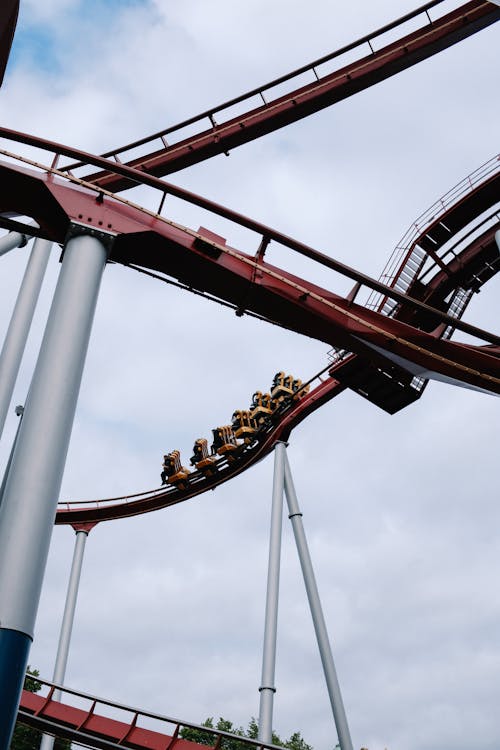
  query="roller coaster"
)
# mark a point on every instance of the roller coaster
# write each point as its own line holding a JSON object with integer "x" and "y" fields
{"x": 385, "y": 349}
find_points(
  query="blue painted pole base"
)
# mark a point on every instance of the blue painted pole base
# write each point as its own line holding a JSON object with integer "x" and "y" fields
{"x": 14, "y": 651}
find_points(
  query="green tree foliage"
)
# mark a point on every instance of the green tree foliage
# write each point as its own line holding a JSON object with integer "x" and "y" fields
{"x": 294, "y": 742}
{"x": 28, "y": 738}
{"x": 30, "y": 681}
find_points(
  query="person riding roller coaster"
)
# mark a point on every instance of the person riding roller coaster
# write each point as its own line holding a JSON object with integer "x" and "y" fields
{"x": 173, "y": 471}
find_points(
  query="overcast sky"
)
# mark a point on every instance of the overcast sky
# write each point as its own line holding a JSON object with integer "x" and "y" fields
{"x": 401, "y": 512}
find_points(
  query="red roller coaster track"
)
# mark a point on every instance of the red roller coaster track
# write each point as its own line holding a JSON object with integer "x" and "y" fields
{"x": 203, "y": 261}
{"x": 385, "y": 350}
{"x": 88, "y": 725}
{"x": 217, "y": 133}
{"x": 388, "y": 350}
{"x": 456, "y": 276}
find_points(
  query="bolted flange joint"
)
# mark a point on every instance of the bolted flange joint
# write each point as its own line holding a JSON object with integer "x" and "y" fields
{"x": 78, "y": 230}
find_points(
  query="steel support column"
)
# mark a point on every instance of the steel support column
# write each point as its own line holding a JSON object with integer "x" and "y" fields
{"x": 47, "y": 742}
{"x": 325, "y": 650}
{"x": 32, "y": 489}
{"x": 20, "y": 323}
{"x": 11, "y": 240}
{"x": 267, "y": 688}
{"x": 19, "y": 412}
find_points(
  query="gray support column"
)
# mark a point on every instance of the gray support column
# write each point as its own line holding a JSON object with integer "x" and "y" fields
{"x": 20, "y": 323}
{"x": 47, "y": 742}
{"x": 267, "y": 688}
{"x": 497, "y": 234}
{"x": 19, "y": 412}
{"x": 30, "y": 499}
{"x": 11, "y": 240}
{"x": 325, "y": 650}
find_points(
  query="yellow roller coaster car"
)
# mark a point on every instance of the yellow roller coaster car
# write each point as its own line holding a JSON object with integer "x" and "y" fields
{"x": 244, "y": 426}
{"x": 225, "y": 443}
{"x": 173, "y": 471}
{"x": 262, "y": 407}
{"x": 201, "y": 458}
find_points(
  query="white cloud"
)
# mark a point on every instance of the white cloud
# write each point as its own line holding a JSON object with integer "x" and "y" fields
{"x": 47, "y": 12}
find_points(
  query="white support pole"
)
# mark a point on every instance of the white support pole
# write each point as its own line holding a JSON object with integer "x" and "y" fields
{"x": 47, "y": 742}
{"x": 267, "y": 688}
{"x": 325, "y": 650}
{"x": 32, "y": 489}
{"x": 11, "y": 240}
{"x": 20, "y": 324}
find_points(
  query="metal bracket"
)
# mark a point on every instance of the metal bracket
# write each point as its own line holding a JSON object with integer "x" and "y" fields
{"x": 78, "y": 230}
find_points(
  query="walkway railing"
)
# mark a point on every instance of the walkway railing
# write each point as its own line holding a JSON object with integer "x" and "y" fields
{"x": 265, "y": 95}
{"x": 408, "y": 259}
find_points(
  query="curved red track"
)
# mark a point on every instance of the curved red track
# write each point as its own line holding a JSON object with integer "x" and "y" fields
{"x": 202, "y": 260}
{"x": 389, "y": 349}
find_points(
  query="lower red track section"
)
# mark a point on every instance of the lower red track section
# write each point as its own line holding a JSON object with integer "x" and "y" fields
{"x": 279, "y": 428}
{"x": 91, "y": 725}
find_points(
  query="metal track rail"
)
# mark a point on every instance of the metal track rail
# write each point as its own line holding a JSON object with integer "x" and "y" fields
{"x": 277, "y": 428}
{"x": 267, "y": 234}
{"x": 266, "y": 108}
